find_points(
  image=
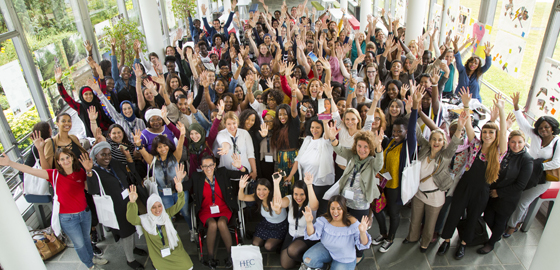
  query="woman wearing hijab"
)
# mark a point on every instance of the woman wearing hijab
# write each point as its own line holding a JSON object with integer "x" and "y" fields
{"x": 154, "y": 127}
{"x": 164, "y": 245}
{"x": 111, "y": 176}
{"x": 126, "y": 118}
{"x": 87, "y": 99}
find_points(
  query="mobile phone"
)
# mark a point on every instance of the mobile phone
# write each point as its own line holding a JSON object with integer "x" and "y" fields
{"x": 303, "y": 108}
{"x": 313, "y": 57}
{"x": 346, "y": 40}
{"x": 279, "y": 175}
{"x": 444, "y": 62}
{"x": 324, "y": 116}
{"x": 325, "y": 30}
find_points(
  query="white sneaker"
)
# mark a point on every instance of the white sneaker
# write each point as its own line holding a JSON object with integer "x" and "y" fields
{"x": 378, "y": 240}
{"x": 99, "y": 261}
{"x": 95, "y": 267}
{"x": 385, "y": 247}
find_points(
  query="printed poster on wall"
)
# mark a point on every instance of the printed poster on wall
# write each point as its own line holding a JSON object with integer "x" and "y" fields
{"x": 452, "y": 14}
{"x": 545, "y": 99}
{"x": 463, "y": 28}
{"x": 516, "y": 16}
{"x": 508, "y": 53}
{"x": 15, "y": 88}
{"x": 400, "y": 12}
{"x": 482, "y": 34}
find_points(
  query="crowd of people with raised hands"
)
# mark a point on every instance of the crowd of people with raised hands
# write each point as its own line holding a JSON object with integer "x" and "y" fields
{"x": 310, "y": 122}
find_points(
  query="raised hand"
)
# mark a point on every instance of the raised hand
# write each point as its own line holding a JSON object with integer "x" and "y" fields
{"x": 164, "y": 112}
{"x": 463, "y": 118}
{"x": 236, "y": 160}
{"x": 92, "y": 113}
{"x": 308, "y": 179}
{"x": 58, "y": 75}
{"x": 203, "y": 9}
{"x": 38, "y": 141}
{"x": 180, "y": 172}
{"x": 435, "y": 76}
{"x": 488, "y": 48}
{"x": 510, "y": 120}
{"x": 182, "y": 128}
{"x": 123, "y": 45}
{"x": 466, "y": 96}
{"x": 178, "y": 183}
{"x": 113, "y": 42}
{"x": 308, "y": 215}
{"x": 269, "y": 83}
{"x": 86, "y": 161}
{"x": 221, "y": 107}
{"x": 515, "y": 100}
{"x": 499, "y": 101}
{"x": 88, "y": 46}
{"x": 243, "y": 181}
{"x": 94, "y": 86}
{"x": 222, "y": 151}
{"x": 379, "y": 91}
{"x": 276, "y": 204}
{"x": 333, "y": 131}
{"x": 417, "y": 97}
{"x": 363, "y": 224}
{"x": 132, "y": 194}
{"x": 264, "y": 130}
{"x": 136, "y": 46}
{"x": 137, "y": 138}
{"x": 404, "y": 89}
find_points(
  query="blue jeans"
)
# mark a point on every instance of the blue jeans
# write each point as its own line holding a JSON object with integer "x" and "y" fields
{"x": 318, "y": 255}
{"x": 77, "y": 227}
{"x": 169, "y": 201}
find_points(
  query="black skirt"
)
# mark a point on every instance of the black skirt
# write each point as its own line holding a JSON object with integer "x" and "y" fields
{"x": 266, "y": 230}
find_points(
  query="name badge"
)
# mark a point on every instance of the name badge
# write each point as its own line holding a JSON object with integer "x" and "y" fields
{"x": 452, "y": 176}
{"x": 214, "y": 209}
{"x": 387, "y": 176}
{"x": 124, "y": 194}
{"x": 348, "y": 194}
{"x": 268, "y": 159}
{"x": 167, "y": 192}
{"x": 199, "y": 170}
{"x": 165, "y": 251}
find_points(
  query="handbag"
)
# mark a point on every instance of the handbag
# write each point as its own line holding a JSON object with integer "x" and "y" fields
{"x": 33, "y": 185}
{"x": 247, "y": 257}
{"x": 150, "y": 181}
{"x": 552, "y": 175}
{"x": 410, "y": 177}
{"x": 105, "y": 208}
{"x": 55, "y": 220}
{"x": 334, "y": 190}
{"x": 380, "y": 203}
{"x": 47, "y": 243}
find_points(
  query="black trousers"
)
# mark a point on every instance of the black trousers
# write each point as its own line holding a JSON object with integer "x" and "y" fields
{"x": 474, "y": 207}
{"x": 323, "y": 204}
{"x": 393, "y": 209}
{"x": 497, "y": 221}
{"x": 358, "y": 215}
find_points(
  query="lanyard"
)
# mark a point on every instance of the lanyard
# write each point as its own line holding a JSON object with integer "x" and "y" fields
{"x": 212, "y": 187}
{"x": 160, "y": 233}
{"x": 112, "y": 172}
{"x": 131, "y": 128}
{"x": 164, "y": 169}
{"x": 356, "y": 170}
{"x": 234, "y": 141}
{"x": 268, "y": 144}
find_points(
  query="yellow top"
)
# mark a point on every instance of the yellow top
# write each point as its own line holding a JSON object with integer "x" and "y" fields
{"x": 391, "y": 164}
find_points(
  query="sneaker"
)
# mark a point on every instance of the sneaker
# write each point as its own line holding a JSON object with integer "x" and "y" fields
{"x": 228, "y": 263}
{"x": 140, "y": 252}
{"x": 386, "y": 246}
{"x": 96, "y": 251}
{"x": 135, "y": 265}
{"x": 378, "y": 240}
{"x": 95, "y": 267}
{"x": 99, "y": 261}
{"x": 192, "y": 235}
{"x": 211, "y": 263}
{"x": 94, "y": 237}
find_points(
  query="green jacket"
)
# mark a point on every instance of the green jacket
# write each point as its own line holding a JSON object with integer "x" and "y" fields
{"x": 368, "y": 181}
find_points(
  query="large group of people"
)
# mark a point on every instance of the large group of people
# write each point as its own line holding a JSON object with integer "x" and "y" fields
{"x": 309, "y": 122}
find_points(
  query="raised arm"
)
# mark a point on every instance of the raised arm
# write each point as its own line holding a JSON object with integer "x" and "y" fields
{"x": 466, "y": 98}
{"x": 499, "y": 102}
{"x": 5, "y": 161}
{"x": 179, "y": 150}
{"x": 141, "y": 102}
{"x": 62, "y": 91}
{"x": 138, "y": 142}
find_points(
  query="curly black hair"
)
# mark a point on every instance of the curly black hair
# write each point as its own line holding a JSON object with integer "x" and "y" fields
{"x": 243, "y": 117}
{"x": 551, "y": 121}
{"x": 276, "y": 94}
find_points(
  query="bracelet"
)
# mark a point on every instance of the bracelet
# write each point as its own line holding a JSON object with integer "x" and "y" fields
{"x": 240, "y": 168}
{"x": 466, "y": 107}
{"x": 138, "y": 148}
{"x": 332, "y": 140}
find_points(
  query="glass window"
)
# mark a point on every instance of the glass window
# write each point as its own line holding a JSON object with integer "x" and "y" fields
{"x": 103, "y": 13}
{"x": 497, "y": 75}
{"x": 132, "y": 11}
{"x": 3, "y": 26}
{"x": 556, "y": 55}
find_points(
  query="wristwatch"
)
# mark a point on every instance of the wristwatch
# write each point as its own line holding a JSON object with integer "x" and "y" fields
{"x": 138, "y": 148}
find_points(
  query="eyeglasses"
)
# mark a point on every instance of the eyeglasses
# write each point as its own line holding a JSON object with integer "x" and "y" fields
{"x": 377, "y": 119}
{"x": 371, "y": 71}
{"x": 204, "y": 167}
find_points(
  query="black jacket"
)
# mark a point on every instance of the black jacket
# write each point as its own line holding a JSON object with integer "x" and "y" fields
{"x": 223, "y": 176}
{"x": 514, "y": 174}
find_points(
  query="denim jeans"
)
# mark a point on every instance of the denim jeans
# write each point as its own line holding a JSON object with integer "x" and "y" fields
{"x": 77, "y": 227}
{"x": 318, "y": 255}
{"x": 169, "y": 201}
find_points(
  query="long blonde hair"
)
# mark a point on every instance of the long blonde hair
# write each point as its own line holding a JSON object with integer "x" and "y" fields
{"x": 493, "y": 164}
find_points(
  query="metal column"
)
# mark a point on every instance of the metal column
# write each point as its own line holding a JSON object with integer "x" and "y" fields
{"x": 85, "y": 27}
{"x": 163, "y": 11}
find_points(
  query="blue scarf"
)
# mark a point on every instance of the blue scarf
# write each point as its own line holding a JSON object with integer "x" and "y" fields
{"x": 131, "y": 118}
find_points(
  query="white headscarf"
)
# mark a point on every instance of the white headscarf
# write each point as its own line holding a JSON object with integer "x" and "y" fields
{"x": 149, "y": 222}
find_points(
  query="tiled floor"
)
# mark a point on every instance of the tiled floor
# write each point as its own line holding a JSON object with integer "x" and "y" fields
{"x": 513, "y": 253}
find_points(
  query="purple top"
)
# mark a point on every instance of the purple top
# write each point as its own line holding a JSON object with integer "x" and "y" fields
{"x": 148, "y": 137}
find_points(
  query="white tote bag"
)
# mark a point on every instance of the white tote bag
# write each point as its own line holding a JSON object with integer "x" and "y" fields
{"x": 334, "y": 190}
{"x": 105, "y": 208}
{"x": 33, "y": 185}
{"x": 410, "y": 177}
{"x": 246, "y": 258}
{"x": 150, "y": 182}
{"x": 55, "y": 220}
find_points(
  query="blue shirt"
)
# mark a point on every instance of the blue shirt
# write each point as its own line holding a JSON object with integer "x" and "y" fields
{"x": 339, "y": 241}
{"x": 119, "y": 83}
{"x": 212, "y": 31}
{"x": 472, "y": 81}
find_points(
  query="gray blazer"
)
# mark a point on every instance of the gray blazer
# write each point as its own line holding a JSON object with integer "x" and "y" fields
{"x": 442, "y": 177}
